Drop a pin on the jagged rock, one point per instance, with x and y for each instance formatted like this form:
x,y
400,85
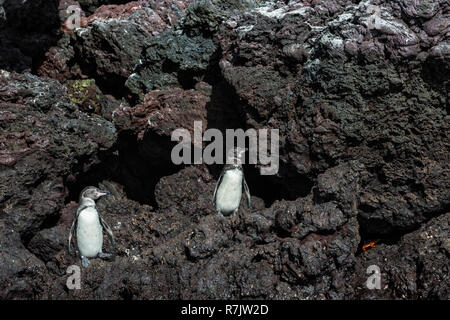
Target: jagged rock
x,y
109,42
207,238
192,192
60,62
39,151
206,16
163,111
320,96
21,273
171,59
48,242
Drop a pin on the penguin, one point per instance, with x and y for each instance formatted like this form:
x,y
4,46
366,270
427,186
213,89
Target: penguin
x,y
228,191
88,226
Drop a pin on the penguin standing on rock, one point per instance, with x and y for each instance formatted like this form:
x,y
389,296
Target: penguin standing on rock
x,y
228,191
89,226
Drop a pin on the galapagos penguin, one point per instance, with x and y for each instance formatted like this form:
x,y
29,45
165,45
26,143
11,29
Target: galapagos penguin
x,y
89,225
228,191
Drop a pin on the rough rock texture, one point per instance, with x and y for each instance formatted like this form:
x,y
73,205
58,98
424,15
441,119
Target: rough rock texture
x,y
358,91
169,60
350,91
163,111
205,16
417,267
48,242
109,42
59,62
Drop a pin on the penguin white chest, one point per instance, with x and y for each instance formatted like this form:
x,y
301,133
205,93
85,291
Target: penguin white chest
x,y
229,192
89,233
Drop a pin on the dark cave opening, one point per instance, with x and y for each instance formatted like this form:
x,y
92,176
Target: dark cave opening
x,y
376,231
286,185
113,85
29,30
226,111
136,166
435,73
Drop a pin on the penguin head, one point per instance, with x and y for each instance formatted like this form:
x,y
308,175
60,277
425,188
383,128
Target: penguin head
x,y
234,156
93,193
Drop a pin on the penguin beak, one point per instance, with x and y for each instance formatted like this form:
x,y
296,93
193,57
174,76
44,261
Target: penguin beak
x,y
243,150
101,193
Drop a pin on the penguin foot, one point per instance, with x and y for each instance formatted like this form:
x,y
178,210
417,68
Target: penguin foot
x,y
234,214
219,214
85,262
103,255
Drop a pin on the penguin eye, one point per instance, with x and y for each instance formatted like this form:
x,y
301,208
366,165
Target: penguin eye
x,y
89,194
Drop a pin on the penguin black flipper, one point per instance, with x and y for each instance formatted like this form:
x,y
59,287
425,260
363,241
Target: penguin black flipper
x,y
217,186
247,192
108,230
74,225
72,229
